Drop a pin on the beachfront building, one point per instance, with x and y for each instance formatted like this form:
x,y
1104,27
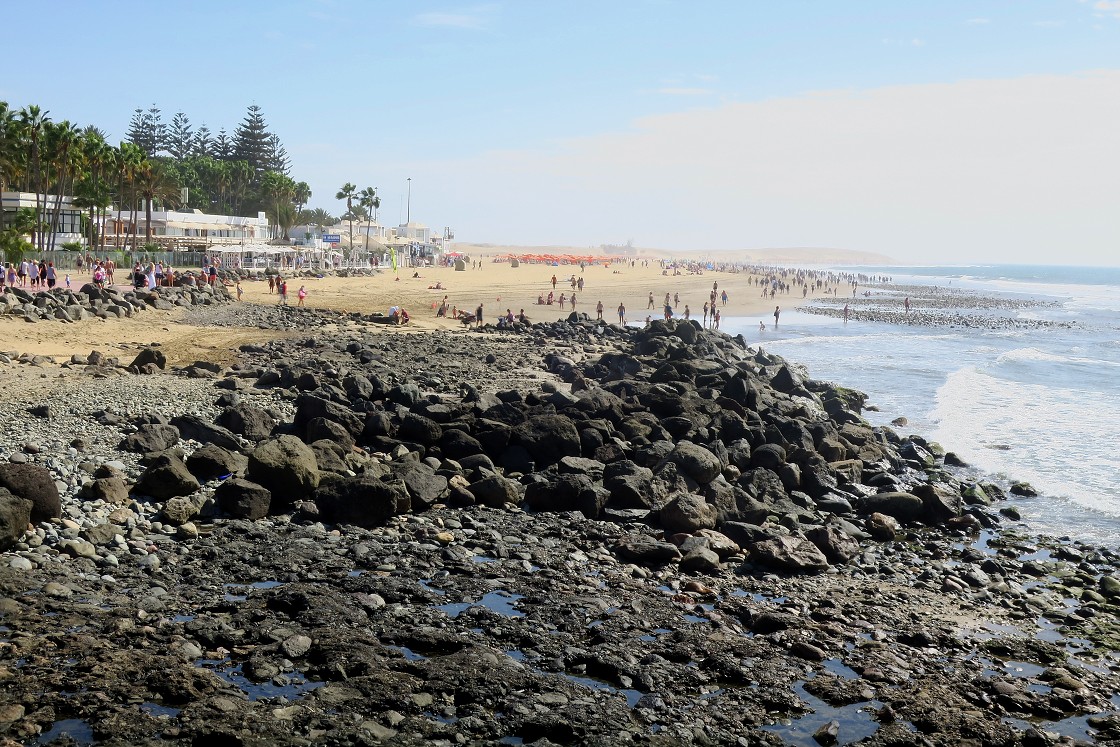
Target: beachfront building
x,y
70,218
184,231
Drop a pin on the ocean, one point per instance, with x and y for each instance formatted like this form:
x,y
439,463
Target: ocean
x,y
1041,405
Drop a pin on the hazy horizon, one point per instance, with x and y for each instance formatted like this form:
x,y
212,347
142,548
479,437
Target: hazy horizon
x,y
979,132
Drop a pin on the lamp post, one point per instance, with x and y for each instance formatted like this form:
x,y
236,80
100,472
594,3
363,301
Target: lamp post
x,y
408,209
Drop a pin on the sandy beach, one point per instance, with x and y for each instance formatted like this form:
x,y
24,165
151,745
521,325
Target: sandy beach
x,y
497,286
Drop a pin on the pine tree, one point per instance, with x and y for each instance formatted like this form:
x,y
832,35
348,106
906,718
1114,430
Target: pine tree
x,y
278,160
147,131
158,130
202,141
222,147
180,138
251,142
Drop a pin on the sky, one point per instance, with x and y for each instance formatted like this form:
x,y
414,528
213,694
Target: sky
x,y
931,132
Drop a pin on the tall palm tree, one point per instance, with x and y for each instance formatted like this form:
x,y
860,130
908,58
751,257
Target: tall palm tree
x,y
301,196
280,189
65,160
129,158
13,150
371,202
32,121
348,192
153,183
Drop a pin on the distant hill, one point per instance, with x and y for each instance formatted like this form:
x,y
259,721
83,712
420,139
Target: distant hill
x,y
796,255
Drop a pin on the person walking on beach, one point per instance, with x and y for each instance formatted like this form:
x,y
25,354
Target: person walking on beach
x,y
621,313
553,282
705,313
563,298
724,297
599,310
478,317
845,312
301,294
906,303
715,318
686,312
283,285
650,300
573,300
271,284
676,300
238,286
777,313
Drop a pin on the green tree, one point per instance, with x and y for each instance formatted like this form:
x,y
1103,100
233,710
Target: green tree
x,y
301,196
371,202
222,147
317,217
153,184
33,122
279,189
180,138
348,192
251,143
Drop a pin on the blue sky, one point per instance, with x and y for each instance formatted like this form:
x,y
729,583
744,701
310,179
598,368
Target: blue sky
x,y
946,131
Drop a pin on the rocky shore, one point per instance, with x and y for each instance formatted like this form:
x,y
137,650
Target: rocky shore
x,y
66,305
934,306
579,534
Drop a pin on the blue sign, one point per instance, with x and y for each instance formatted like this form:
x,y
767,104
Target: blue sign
x,y
332,238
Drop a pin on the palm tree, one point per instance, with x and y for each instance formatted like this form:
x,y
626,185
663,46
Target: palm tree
x,y
301,196
32,121
128,160
371,202
65,157
348,192
12,148
318,217
280,189
153,183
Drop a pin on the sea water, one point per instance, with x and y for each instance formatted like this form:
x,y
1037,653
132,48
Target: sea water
x,y
1040,405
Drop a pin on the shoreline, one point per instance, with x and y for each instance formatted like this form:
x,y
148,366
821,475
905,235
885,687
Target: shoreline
x,y
729,642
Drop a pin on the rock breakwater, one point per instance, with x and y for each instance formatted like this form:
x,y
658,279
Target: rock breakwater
x,y
581,534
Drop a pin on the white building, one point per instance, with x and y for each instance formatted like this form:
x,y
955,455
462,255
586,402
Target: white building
x,y
176,230
69,219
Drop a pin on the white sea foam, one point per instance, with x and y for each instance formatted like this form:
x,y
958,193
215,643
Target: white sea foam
x,y
1061,440
1024,355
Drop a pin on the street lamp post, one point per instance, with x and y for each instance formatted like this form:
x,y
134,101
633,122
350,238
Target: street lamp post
x,y
408,210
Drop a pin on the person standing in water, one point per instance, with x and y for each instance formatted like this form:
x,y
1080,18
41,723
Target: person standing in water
x,y
777,313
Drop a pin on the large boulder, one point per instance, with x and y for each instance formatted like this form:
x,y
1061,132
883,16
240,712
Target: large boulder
x,y
310,406
151,437
212,461
243,499
697,462
197,429
15,515
286,466
424,486
149,357
365,500
647,550
420,429
165,478
34,483
112,490
688,513
569,492
789,553
548,438
630,485
899,505
251,422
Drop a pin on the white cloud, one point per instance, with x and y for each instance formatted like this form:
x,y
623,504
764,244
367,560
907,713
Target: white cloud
x,y
987,170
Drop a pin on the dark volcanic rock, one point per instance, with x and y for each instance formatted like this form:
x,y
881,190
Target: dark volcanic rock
x,y
569,492
365,500
15,514
34,483
151,437
547,438
148,357
197,429
697,462
243,499
251,422
212,461
789,553
166,477
287,467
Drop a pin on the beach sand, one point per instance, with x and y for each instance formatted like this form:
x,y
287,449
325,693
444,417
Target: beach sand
x,y
497,286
